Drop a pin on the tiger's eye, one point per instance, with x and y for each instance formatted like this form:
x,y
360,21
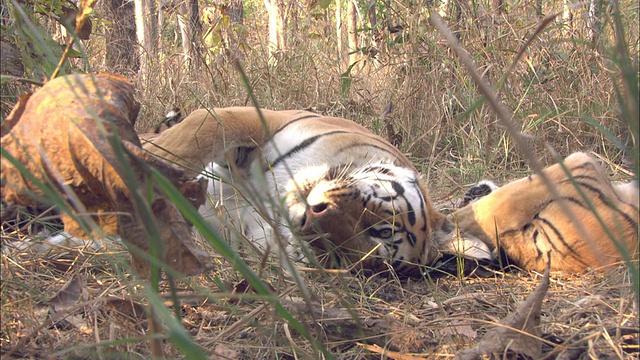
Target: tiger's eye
x,y
385,233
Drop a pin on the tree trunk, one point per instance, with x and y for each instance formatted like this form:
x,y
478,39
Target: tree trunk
x,y
375,32
146,32
567,15
120,54
190,29
339,31
277,37
595,23
235,36
352,35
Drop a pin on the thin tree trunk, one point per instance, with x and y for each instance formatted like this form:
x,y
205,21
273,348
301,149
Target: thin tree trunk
x,y
373,23
235,38
277,37
595,23
352,35
232,37
339,30
190,28
147,33
120,53
567,15
373,18
282,37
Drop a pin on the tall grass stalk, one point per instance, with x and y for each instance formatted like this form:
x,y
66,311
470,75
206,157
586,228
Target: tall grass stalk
x,y
506,119
553,80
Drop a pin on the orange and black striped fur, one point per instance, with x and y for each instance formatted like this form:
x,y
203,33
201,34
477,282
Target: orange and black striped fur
x,y
330,185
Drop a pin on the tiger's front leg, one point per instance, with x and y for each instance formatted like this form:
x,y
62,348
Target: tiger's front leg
x,y
524,221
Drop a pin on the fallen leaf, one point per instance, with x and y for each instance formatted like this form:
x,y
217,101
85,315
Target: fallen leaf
x,y
130,309
222,352
69,295
65,136
458,328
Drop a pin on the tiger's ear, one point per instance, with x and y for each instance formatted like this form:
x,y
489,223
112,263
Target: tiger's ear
x,y
628,192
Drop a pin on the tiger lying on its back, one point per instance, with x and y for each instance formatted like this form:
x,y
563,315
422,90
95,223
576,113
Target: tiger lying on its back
x,y
355,199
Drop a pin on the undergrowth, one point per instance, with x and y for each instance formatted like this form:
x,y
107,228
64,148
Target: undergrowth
x,y
564,93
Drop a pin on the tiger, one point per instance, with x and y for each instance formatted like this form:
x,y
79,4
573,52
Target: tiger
x,y
593,223
330,185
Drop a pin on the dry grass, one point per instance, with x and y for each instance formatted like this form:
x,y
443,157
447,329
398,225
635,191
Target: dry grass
x,y
452,137
594,314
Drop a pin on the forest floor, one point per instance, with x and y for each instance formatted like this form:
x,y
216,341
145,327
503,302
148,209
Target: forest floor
x,y
77,303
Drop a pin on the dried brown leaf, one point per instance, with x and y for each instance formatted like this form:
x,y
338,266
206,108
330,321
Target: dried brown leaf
x,y
64,137
128,308
69,295
458,328
222,352
12,119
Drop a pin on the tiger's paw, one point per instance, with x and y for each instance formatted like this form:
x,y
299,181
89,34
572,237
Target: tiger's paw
x,y
481,189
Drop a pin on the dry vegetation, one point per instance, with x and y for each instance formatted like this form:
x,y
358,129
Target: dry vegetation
x,y
353,317
454,139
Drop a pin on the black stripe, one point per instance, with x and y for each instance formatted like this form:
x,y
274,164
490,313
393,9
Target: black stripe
x,y
584,165
555,232
399,189
423,202
398,263
562,240
552,243
378,170
304,144
411,214
309,116
535,235
602,197
386,147
411,237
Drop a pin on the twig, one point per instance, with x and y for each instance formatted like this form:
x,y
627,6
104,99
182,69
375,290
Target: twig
x,y
506,119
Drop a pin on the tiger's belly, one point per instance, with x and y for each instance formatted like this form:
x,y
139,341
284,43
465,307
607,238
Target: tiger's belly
x,y
246,215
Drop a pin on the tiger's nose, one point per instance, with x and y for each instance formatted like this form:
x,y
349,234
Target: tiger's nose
x,y
313,213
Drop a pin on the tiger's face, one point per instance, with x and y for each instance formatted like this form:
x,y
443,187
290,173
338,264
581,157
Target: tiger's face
x,y
370,216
